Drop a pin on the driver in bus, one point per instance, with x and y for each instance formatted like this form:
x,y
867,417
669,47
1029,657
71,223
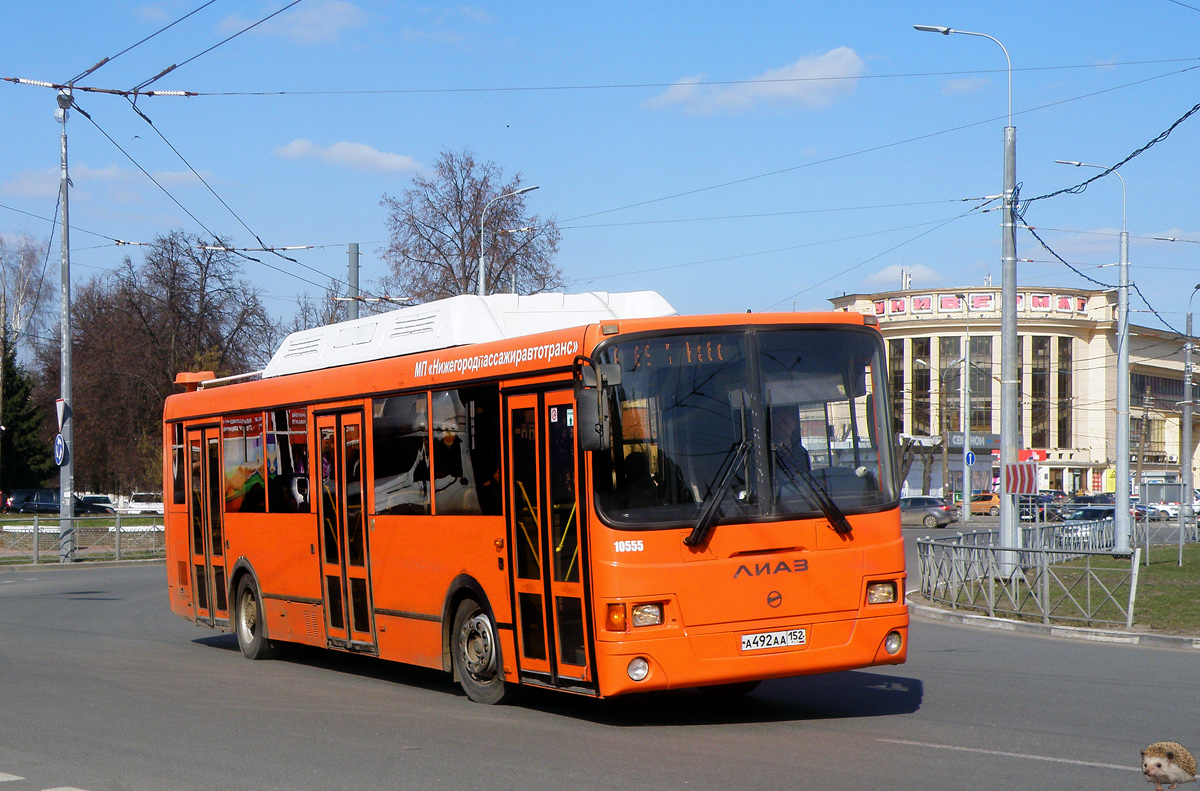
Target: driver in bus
x,y
787,451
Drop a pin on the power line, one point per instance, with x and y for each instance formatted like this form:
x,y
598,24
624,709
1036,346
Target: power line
x,y
873,149
689,83
174,66
86,72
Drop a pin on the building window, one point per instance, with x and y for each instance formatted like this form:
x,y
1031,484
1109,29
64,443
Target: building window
x,y
951,400
1039,393
1156,392
920,386
896,382
981,384
1065,393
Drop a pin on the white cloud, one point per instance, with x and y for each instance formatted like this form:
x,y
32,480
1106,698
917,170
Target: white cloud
x,y
307,23
888,278
44,182
814,82
356,156
965,85
33,183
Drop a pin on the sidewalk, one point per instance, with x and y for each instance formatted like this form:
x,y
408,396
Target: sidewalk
x,y
921,609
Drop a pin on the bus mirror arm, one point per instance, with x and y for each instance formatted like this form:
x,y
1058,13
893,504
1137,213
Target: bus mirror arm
x,y
593,396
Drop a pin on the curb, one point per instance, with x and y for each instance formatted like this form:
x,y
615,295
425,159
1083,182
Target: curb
x,y
1051,630
14,567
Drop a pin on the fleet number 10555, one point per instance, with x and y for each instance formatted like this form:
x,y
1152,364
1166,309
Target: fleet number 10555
x,y
629,546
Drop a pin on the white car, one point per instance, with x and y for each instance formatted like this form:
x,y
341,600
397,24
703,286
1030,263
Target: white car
x,y
144,503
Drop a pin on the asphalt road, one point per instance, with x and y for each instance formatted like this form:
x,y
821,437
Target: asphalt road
x,y
102,688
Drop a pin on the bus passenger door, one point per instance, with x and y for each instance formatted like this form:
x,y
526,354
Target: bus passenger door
x,y
545,536
205,495
345,569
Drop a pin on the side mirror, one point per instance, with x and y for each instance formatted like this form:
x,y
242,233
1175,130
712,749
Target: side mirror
x,y
593,398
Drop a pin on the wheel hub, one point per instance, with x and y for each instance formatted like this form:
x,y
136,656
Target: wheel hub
x,y
479,647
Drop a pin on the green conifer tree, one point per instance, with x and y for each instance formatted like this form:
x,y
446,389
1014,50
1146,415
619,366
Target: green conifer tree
x,y
25,456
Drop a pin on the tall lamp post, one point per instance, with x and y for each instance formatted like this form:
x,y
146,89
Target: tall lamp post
x,y
1009,535
966,421
1123,529
482,215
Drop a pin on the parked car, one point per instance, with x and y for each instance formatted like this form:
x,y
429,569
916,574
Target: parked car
x,y
988,503
46,501
98,499
1085,527
1038,508
1080,500
928,511
1057,495
144,503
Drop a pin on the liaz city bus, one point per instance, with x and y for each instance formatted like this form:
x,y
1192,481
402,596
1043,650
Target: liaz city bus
x,y
583,492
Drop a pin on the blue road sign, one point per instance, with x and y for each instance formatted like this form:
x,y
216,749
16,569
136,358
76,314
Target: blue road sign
x,y
970,458
60,450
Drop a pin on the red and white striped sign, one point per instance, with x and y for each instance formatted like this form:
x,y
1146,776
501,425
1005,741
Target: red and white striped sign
x,y
1021,478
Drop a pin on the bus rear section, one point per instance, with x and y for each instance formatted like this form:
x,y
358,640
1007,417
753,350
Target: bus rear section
x,y
746,524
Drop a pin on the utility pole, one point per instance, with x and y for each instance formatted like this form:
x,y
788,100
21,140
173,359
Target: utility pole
x,y
1142,439
1185,433
353,280
1124,530
968,487
3,359
66,473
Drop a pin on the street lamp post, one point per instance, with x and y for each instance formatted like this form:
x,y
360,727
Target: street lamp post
x,y
1123,529
482,215
966,406
1009,535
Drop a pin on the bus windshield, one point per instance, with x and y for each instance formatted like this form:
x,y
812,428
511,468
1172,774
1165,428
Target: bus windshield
x,y
756,424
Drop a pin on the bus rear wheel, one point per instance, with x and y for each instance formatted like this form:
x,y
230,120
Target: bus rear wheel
x,y
475,654
250,624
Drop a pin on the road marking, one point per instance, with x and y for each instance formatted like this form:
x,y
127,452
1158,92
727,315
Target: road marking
x,y
1012,755
9,778
64,788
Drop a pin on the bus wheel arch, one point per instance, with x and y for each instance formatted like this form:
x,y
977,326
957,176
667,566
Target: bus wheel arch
x,y
248,619
471,644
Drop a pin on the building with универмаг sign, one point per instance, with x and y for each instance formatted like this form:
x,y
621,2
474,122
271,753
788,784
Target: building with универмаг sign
x,y
1067,366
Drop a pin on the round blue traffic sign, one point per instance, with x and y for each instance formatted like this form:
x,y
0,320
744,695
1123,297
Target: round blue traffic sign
x,y
970,458
60,450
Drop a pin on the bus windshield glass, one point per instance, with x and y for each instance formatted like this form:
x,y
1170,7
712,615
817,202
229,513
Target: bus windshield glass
x,y
746,425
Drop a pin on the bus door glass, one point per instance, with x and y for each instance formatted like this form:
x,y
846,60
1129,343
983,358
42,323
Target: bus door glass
x,y
205,496
545,536
344,551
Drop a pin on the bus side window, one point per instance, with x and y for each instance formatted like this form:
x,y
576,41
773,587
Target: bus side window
x,y
287,461
400,430
466,451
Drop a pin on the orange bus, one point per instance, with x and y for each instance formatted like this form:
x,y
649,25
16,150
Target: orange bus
x,y
583,492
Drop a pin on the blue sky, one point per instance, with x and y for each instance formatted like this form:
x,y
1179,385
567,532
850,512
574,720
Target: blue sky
x,y
731,156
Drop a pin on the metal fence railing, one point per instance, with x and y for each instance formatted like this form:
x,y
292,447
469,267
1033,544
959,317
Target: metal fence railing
x,y
1064,572
38,538
1049,584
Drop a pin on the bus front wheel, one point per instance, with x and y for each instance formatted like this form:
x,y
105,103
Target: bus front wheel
x,y
249,622
475,653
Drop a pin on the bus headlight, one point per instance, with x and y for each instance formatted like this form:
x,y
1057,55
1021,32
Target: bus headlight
x,y
639,668
881,592
647,615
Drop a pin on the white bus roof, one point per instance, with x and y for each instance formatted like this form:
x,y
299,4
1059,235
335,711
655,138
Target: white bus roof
x,y
456,321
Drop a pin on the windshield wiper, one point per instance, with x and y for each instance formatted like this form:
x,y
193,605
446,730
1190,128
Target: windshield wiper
x,y
708,515
807,481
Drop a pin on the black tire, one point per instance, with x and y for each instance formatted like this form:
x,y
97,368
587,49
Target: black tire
x,y
994,510
249,622
475,655
732,691
930,521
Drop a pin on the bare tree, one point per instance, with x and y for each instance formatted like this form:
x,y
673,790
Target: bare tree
x,y
330,308
25,293
184,308
435,235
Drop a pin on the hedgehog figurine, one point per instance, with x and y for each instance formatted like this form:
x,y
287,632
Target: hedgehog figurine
x,y
1168,762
